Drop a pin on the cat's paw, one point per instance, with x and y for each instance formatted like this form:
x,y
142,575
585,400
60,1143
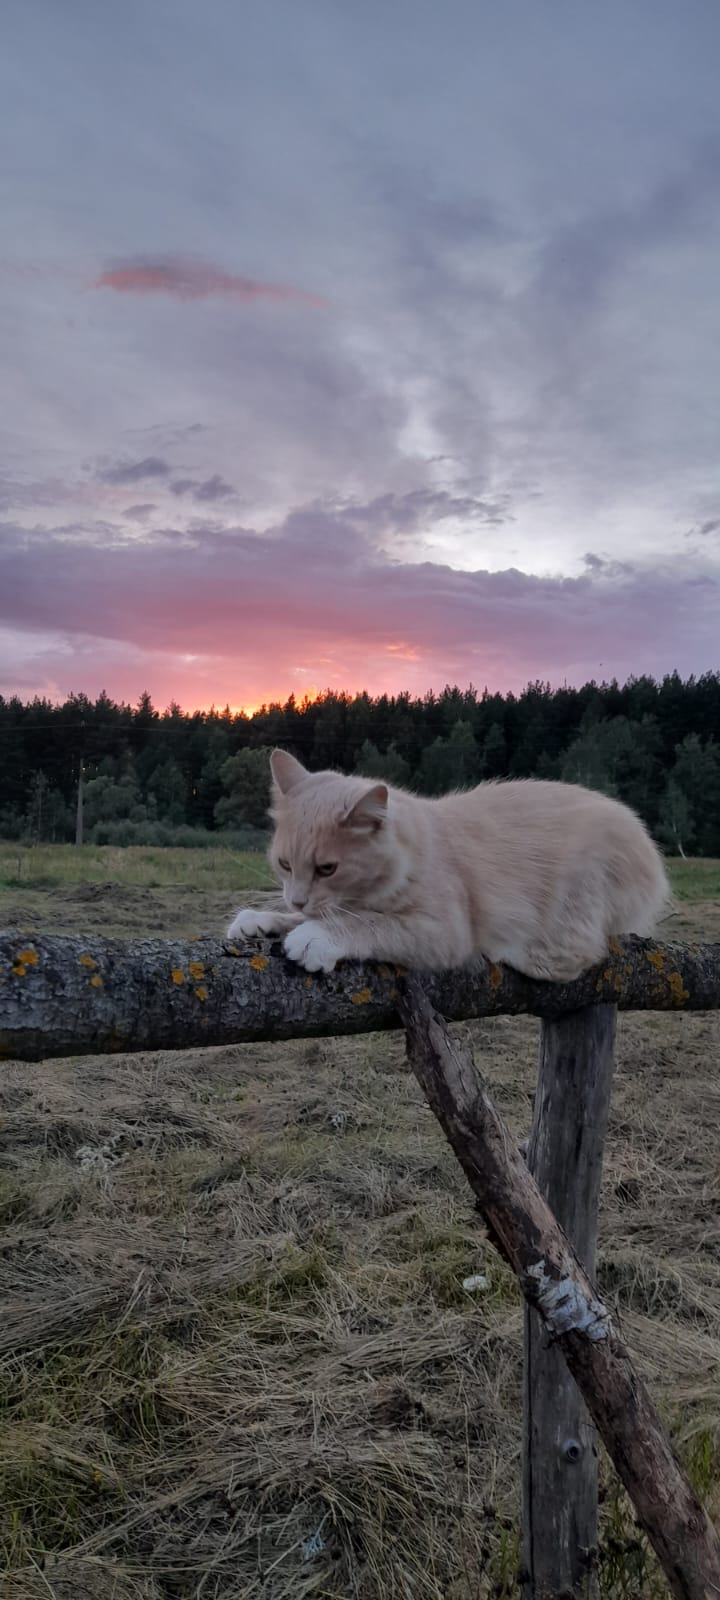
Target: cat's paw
x,y
312,947
249,923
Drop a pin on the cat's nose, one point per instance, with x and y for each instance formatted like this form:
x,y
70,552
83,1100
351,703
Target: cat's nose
x,y
299,905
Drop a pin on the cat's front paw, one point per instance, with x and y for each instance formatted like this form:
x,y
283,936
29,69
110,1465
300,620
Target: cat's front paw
x,y
249,923
312,947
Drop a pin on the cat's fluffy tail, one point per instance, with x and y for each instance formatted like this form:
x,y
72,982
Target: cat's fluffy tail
x,y
648,902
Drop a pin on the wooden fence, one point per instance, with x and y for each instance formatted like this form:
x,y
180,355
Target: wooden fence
x,y
62,996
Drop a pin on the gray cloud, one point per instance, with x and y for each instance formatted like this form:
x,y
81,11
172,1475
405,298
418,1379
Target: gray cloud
x,y
125,472
600,564
214,488
423,508
579,262
139,512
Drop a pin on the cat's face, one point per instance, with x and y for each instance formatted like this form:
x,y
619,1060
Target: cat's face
x,y
331,846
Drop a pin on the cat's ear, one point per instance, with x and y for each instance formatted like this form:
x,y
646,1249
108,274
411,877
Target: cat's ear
x,y
370,811
286,771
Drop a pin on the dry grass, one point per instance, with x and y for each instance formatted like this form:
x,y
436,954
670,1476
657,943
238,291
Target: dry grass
x,y
126,892
236,1356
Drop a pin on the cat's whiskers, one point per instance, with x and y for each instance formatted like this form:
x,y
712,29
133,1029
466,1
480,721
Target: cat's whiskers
x,y
343,911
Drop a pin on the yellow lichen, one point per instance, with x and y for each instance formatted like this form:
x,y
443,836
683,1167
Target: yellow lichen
x,y
233,950
201,992
308,982
656,959
615,947
27,958
177,975
384,971
19,969
196,970
87,961
495,976
401,972
96,982
259,963
677,989
608,974
362,997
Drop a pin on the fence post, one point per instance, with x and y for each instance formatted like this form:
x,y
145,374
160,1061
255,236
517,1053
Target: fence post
x,y
560,1462
525,1231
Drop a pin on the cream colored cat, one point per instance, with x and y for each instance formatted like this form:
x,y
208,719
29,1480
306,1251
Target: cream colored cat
x,y
535,874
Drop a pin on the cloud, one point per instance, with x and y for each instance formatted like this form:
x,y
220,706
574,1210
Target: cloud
x,y
423,508
214,488
249,607
73,492
139,512
580,261
134,471
536,322
609,568
185,279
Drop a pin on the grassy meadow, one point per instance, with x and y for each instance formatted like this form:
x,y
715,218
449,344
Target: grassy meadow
x,y
237,1361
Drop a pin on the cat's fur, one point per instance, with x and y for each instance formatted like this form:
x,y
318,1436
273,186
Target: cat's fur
x,y
539,875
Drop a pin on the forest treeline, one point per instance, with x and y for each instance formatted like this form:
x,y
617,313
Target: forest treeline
x,y
171,777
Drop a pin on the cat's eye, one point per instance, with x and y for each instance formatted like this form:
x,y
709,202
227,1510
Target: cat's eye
x,y
284,866
326,870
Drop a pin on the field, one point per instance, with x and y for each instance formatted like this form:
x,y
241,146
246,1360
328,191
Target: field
x,y
238,1360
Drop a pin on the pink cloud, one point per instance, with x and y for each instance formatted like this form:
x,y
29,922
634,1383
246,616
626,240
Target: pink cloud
x,y
227,614
195,280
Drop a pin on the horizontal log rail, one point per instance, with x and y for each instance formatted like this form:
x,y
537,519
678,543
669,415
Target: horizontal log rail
x,y
70,995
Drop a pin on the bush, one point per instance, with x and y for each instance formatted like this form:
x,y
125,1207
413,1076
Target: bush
x,y
125,832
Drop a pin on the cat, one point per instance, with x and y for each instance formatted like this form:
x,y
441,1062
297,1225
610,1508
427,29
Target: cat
x,y
532,873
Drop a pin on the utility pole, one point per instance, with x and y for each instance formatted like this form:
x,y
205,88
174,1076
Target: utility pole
x,y
79,811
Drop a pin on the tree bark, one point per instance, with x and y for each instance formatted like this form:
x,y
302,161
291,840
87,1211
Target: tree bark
x,y
553,1281
560,1459
89,996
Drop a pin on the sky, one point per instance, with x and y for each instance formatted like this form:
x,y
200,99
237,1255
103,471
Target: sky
x,y
357,346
